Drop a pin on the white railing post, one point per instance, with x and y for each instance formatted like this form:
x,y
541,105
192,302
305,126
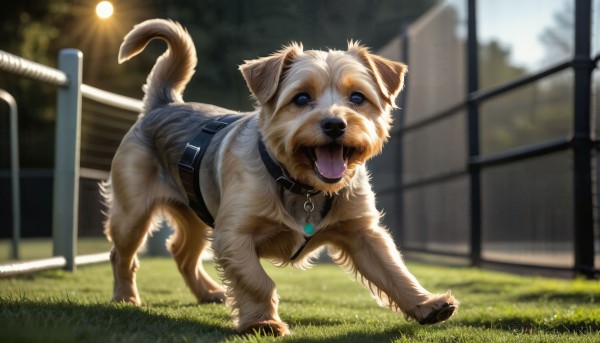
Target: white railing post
x,y
66,160
14,167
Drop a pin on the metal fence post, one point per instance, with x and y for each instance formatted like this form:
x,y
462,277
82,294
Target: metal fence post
x,y
399,228
582,143
473,135
66,162
14,167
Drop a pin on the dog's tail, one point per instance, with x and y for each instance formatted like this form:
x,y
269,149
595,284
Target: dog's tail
x,y
173,70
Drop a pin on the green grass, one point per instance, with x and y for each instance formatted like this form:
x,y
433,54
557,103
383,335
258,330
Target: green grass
x,y
321,305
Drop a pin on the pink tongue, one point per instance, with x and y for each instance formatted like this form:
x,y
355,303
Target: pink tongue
x,y
330,161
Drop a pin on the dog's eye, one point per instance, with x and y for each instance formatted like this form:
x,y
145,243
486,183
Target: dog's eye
x,y
357,98
301,99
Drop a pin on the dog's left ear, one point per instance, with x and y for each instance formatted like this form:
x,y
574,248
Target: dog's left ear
x,y
388,74
262,75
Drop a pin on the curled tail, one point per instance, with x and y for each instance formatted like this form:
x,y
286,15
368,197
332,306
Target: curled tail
x,y
173,70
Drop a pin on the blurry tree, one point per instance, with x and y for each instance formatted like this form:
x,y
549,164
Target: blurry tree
x,y
225,33
537,112
29,30
228,32
559,38
495,65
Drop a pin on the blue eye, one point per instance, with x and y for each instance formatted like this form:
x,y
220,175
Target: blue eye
x,y
301,99
357,98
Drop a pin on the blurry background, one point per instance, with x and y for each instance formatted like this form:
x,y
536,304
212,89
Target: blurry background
x,y
422,179
225,33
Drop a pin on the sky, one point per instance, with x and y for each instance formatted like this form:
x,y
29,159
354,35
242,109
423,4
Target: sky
x,y
518,25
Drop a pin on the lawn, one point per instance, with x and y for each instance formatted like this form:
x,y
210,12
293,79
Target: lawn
x,y
321,305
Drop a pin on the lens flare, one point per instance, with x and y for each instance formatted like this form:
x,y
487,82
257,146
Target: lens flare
x,y
104,9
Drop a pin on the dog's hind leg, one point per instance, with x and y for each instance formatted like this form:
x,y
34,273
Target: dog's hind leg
x,y
186,245
128,234
130,213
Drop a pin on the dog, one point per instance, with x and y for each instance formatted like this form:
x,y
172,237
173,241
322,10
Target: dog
x,y
280,183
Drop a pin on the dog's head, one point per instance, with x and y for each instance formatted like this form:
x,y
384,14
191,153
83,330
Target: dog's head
x,y
324,113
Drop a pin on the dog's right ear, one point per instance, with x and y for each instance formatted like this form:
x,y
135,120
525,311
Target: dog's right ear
x,y
262,75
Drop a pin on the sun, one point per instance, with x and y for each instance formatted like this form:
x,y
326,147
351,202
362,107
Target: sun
x,y
104,9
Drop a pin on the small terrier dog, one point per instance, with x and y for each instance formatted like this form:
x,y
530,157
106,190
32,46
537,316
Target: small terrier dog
x,y
281,182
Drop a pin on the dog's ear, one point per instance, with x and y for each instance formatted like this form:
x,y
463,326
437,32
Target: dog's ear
x,y
388,74
263,75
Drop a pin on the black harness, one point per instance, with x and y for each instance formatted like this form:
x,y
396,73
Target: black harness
x,y
189,165
189,173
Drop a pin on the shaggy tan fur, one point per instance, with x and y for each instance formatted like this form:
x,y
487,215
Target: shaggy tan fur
x,y
253,219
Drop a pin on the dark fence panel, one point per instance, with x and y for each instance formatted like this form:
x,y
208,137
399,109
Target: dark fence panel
x,y
495,159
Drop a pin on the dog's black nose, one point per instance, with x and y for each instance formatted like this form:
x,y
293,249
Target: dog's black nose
x,y
333,127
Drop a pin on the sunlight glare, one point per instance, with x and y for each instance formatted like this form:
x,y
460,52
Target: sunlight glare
x,y
104,9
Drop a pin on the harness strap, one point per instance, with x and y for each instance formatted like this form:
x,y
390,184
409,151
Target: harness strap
x,y
189,164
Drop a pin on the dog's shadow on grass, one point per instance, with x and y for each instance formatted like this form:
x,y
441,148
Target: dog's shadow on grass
x,y
26,320
64,321
545,294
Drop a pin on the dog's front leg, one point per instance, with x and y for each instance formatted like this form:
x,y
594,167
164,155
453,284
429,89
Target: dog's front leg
x,y
250,292
371,252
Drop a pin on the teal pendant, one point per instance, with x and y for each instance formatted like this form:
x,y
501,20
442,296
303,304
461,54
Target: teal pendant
x,y
309,229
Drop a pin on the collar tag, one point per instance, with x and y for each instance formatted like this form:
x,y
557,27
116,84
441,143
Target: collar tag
x,y
309,207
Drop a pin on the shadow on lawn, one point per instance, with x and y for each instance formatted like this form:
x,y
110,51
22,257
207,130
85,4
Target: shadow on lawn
x,y
30,321
519,325
23,320
512,290
358,337
570,297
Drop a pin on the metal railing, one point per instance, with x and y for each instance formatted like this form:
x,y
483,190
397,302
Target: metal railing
x,y
581,144
14,168
68,80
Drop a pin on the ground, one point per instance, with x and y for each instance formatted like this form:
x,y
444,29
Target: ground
x,y
321,305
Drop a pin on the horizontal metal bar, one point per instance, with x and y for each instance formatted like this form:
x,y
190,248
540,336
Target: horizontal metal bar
x,y
426,181
111,99
31,70
521,153
423,182
431,119
500,158
93,174
481,95
82,260
32,266
58,262
488,262
22,67
434,252
529,268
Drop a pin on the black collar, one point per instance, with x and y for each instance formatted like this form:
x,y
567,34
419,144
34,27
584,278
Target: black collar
x,y
280,175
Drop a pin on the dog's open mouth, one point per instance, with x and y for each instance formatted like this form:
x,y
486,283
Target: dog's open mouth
x,y
330,161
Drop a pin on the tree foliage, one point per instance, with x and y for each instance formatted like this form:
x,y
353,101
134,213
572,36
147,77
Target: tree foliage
x,y
225,33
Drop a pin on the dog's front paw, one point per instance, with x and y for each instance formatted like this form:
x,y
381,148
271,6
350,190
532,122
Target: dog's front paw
x,y
267,328
436,309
